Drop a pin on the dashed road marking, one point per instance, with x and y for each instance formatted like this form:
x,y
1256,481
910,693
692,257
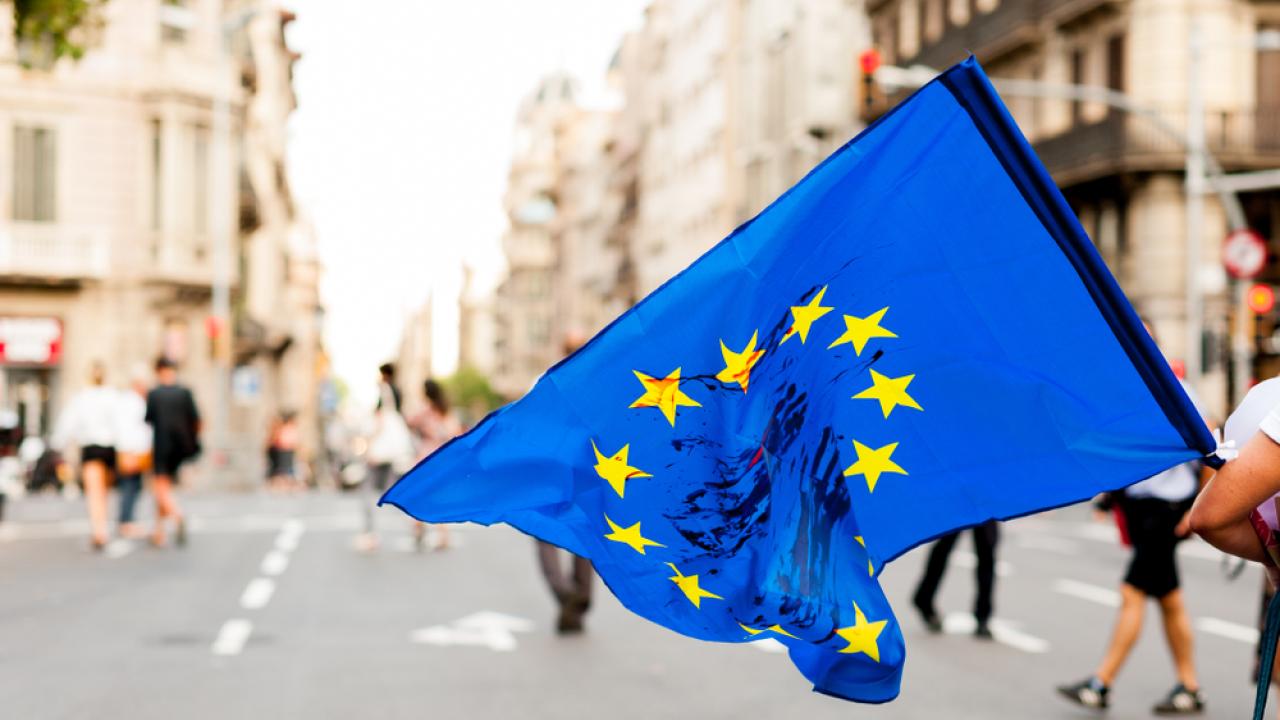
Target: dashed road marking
x,y
290,533
967,560
257,593
117,549
1085,591
1227,629
1047,543
232,637
1002,631
274,563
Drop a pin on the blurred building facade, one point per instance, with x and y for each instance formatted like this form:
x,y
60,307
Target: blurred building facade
x,y
740,100
413,359
1121,174
278,315
476,327
122,190
525,302
718,106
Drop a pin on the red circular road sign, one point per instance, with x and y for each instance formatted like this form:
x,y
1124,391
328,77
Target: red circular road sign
x,y
1244,253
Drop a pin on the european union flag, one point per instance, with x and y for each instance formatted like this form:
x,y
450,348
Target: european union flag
x,y
915,338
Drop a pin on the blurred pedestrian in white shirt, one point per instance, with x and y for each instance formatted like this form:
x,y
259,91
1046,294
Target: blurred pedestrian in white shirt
x,y
91,422
133,450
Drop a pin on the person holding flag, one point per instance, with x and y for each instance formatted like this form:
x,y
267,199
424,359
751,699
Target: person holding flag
x,y
872,362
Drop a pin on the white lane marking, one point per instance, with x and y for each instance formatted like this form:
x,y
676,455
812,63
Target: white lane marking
x,y
1099,532
1002,631
1227,629
257,593
493,630
274,563
1085,591
1047,543
290,533
768,645
1200,550
1193,547
117,549
967,560
232,637
46,530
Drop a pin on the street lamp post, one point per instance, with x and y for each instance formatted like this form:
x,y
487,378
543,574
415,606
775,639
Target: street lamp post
x,y
1194,208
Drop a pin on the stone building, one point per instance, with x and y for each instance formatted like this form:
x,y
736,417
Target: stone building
x,y
525,301
1123,175
740,100
121,192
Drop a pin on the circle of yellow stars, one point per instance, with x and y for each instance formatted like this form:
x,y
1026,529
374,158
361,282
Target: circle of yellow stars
x,y
665,394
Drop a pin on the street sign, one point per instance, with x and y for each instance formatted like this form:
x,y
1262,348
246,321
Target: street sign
x,y
1244,253
30,340
493,630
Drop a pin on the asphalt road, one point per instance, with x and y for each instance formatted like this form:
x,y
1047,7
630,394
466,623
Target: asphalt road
x,y
271,612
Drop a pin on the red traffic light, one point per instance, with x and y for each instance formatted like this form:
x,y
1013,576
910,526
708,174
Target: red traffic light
x,y
869,61
1261,299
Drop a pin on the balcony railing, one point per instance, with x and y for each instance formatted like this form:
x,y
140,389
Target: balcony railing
x,y
1127,143
1012,24
53,252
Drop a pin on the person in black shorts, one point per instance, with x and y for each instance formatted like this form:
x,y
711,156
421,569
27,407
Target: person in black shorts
x,y
172,414
1154,514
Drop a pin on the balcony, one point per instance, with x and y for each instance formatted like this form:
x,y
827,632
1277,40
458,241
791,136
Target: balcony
x,y
52,253
1012,25
1124,143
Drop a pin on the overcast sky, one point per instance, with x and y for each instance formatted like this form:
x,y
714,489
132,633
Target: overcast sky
x,y
400,145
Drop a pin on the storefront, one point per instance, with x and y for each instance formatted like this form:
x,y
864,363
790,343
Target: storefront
x,y
30,354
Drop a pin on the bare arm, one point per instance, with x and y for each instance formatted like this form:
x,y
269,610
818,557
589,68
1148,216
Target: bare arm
x,y
1239,487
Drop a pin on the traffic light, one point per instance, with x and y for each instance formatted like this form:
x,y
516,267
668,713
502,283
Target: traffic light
x,y
868,63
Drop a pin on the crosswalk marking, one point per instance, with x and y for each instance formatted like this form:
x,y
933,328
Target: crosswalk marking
x,y
1227,629
1085,591
1002,631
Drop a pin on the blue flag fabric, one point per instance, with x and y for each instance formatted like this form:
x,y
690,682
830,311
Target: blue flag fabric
x,y
915,338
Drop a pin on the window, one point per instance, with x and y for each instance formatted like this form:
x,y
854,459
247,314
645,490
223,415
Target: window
x,y
200,180
1077,78
176,19
1115,63
157,177
34,174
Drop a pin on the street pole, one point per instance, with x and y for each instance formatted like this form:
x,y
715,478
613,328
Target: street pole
x,y
1195,183
221,288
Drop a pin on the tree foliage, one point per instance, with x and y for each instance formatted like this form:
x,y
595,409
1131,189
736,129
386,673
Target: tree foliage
x,y
53,26
471,393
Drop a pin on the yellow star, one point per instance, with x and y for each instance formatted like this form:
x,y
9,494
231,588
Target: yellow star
x,y
871,569
664,394
862,636
891,392
688,584
872,462
630,536
804,315
615,469
737,365
859,331
772,628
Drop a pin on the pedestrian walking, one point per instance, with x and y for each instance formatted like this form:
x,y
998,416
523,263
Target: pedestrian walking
x,y
175,422
1155,516
985,538
90,422
390,449
282,452
434,426
571,586
133,452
